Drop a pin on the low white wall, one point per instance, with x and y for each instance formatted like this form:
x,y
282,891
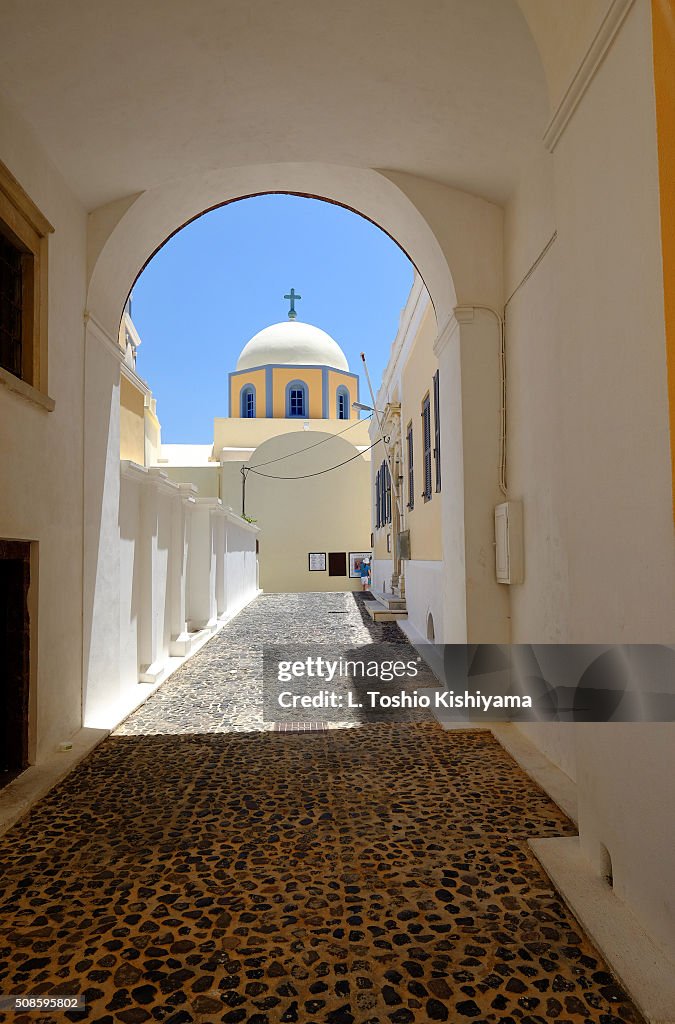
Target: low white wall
x,y
380,575
424,596
185,564
557,741
242,565
625,805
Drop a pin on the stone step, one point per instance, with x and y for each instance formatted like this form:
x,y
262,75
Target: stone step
x,y
384,614
386,607
394,602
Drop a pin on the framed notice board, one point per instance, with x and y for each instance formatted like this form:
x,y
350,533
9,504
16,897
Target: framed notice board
x,y
317,561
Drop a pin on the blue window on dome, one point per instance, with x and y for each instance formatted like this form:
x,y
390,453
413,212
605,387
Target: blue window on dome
x,y
247,399
342,403
296,398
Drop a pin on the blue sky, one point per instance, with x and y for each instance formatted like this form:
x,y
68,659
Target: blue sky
x,y
222,279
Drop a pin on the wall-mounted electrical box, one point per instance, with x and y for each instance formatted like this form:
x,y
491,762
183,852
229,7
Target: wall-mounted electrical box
x,y
509,560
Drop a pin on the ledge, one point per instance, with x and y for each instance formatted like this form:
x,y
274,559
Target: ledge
x,y
643,969
18,797
27,391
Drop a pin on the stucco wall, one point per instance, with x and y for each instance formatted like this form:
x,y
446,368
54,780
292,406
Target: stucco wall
x,y
336,380
324,513
239,381
41,452
590,449
283,375
244,433
424,519
132,422
424,596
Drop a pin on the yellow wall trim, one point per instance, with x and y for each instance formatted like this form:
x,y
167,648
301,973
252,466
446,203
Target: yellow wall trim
x,y
663,32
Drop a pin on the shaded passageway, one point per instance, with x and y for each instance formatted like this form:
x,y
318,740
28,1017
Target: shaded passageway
x,y
194,869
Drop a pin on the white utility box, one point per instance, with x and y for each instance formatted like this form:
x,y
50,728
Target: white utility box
x,y
509,561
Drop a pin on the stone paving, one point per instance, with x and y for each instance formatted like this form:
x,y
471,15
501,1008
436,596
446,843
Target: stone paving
x,y
210,872
220,688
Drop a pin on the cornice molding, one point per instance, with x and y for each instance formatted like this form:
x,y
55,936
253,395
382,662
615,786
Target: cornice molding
x,y
96,330
585,73
409,324
149,475
445,335
464,314
134,379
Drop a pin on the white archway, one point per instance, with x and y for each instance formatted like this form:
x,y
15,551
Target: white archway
x,y
124,235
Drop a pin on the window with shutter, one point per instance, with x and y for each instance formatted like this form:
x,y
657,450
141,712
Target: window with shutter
x,y
387,494
23,287
411,473
426,447
437,432
378,517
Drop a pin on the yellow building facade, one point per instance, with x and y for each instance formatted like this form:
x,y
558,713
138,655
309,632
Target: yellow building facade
x,y
140,429
406,480
293,457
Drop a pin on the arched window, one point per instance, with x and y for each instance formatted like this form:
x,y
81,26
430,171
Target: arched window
x,y
342,403
297,400
247,400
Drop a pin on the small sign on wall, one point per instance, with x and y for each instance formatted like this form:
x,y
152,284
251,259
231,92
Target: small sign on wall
x,y
317,561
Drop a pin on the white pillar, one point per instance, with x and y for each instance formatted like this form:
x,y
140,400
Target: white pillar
x,y
202,603
148,639
220,548
476,606
101,609
180,548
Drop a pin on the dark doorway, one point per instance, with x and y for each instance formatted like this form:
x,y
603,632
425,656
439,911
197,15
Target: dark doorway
x,y
14,644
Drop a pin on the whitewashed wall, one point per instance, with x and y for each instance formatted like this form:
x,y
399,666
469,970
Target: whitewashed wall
x,y
424,587
186,565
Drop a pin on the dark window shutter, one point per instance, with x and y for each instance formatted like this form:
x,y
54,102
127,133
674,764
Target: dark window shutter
x,y
388,495
411,472
426,442
437,432
378,521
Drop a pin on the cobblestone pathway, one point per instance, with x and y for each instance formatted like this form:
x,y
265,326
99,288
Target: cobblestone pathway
x,y
378,875
220,688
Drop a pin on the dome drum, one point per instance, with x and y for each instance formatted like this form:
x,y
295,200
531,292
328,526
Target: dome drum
x,y
293,370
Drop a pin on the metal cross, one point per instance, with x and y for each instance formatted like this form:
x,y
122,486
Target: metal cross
x,y
292,296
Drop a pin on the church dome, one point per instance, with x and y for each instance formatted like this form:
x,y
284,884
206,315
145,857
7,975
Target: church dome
x,y
294,343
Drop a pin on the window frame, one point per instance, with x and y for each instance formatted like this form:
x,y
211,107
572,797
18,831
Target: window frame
x,y
342,392
248,391
28,230
297,385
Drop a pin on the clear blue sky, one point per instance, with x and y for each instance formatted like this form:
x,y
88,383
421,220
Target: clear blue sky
x,y
222,279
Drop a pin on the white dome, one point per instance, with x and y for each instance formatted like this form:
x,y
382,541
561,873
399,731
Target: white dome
x,y
292,342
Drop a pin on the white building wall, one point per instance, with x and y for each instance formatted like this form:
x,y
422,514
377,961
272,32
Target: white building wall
x,y
589,449
181,561
380,575
41,454
424,590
